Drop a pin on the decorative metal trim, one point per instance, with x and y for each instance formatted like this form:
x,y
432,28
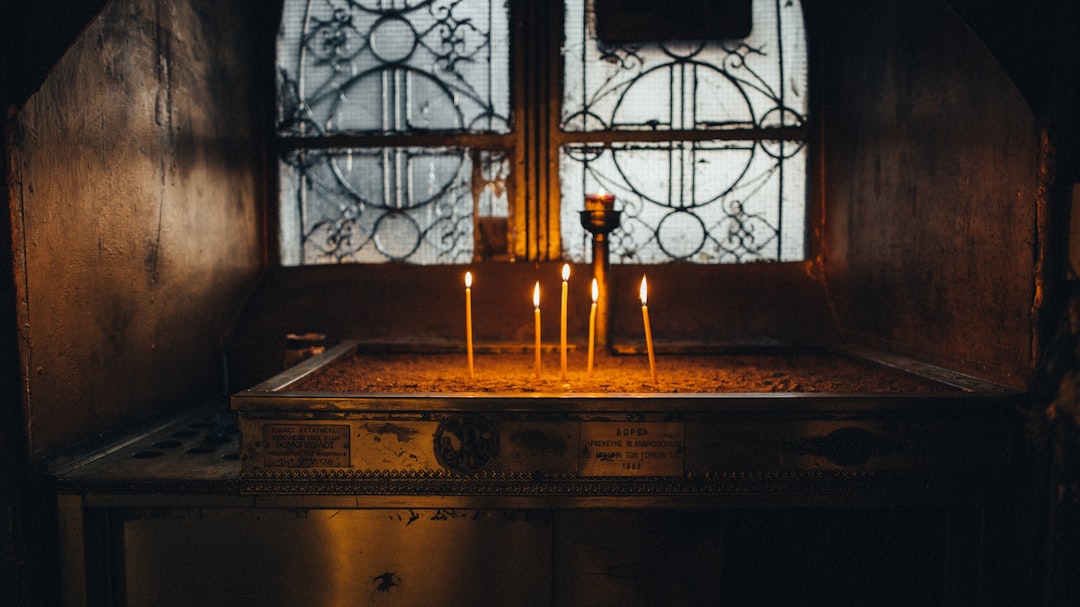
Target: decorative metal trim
x,y
160,486
433,483
538,484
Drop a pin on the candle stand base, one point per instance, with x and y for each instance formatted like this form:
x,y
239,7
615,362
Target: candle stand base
x,y
600,222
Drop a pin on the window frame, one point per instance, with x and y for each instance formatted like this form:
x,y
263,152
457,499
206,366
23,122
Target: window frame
x,y
535,138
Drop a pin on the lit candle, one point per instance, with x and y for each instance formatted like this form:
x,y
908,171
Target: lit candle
x,y
468,321
592,323
562,320
599,201
536,311
648,330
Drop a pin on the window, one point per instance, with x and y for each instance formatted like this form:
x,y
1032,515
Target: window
x,y
390,113
419,131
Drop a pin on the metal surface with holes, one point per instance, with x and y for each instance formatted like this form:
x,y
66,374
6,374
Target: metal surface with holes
x,y
196,453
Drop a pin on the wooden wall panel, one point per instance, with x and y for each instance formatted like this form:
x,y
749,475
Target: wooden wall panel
x,y
930,190
136,187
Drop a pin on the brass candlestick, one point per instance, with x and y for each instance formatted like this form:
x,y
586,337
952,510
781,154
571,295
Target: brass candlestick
x,y
600,218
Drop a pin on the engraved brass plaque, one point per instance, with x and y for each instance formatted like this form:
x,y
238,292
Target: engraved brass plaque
x,y
306,445
632,449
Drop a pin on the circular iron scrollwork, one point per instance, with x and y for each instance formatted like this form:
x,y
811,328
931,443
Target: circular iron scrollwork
x,y
847,446
850,446
466,442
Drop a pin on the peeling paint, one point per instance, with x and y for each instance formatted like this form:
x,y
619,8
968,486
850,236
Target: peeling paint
x,y
386,581
403,434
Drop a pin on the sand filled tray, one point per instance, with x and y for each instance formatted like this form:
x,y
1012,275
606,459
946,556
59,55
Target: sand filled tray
x,y
354,420
514,372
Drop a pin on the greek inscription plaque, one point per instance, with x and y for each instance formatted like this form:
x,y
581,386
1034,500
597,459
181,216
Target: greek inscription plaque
x,y
305,446
632,449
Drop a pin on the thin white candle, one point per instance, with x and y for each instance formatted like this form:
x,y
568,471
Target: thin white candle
x,y
592,323
536,310
468,322
648,329
562,320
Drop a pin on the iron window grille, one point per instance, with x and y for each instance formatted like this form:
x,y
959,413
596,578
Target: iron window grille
x,y
443,131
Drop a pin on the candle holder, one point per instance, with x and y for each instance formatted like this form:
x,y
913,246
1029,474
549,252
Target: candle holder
x,y
600,218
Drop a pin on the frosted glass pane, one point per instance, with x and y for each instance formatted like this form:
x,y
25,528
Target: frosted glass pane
x,y
704,202
755,82
415,205
393,66
738,195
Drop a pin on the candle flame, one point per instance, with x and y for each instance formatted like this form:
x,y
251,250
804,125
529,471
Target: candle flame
x,y
601,192
566,272
644,291
536,295
595,291
468,280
